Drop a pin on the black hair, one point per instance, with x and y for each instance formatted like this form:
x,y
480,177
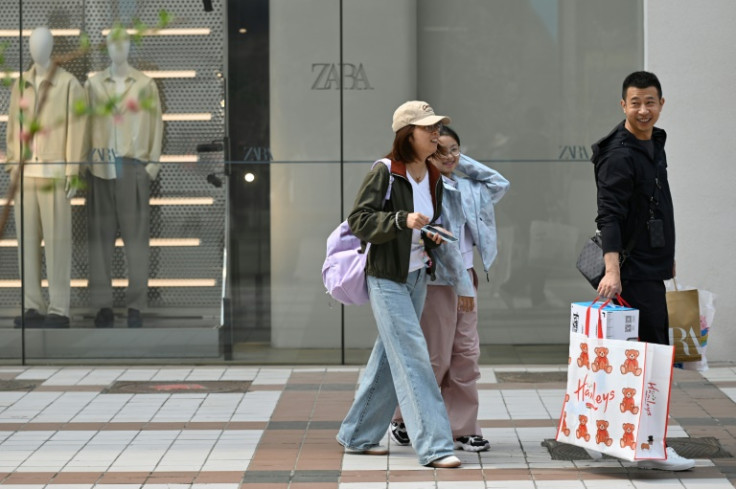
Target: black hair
x,y
641,79
447,131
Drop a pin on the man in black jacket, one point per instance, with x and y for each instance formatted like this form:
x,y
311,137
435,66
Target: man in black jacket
x,y
636,218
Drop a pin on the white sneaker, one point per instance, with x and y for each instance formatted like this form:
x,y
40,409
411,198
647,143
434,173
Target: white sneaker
x,y
448,462
374,450
398,433
674,462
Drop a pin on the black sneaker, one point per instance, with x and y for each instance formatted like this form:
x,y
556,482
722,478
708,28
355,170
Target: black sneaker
x,y
34,319
399,434
472,443
105,318
56,321
134,318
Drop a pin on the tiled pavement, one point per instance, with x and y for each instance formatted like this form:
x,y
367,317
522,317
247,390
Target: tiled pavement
x,y
68,432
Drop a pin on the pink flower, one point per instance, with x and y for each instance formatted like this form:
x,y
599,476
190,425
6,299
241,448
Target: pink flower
x,y
132,105
25,136
24,103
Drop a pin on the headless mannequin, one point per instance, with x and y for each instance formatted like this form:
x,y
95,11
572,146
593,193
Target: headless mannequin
x,y
118,50
41,43
48,175
125,147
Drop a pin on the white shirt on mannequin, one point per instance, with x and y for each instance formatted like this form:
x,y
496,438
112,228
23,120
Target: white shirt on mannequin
x,y
136,135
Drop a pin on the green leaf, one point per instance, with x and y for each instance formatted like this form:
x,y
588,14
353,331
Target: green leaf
x,y
80,107
164,19
35,126
110,106
77,183
147,102
118,33
140,31
84,42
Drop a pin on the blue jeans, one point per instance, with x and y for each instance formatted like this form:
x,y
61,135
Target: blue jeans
x,y
399,370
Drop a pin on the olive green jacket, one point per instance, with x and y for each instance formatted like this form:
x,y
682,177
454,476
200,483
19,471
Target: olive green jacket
x,y
382,222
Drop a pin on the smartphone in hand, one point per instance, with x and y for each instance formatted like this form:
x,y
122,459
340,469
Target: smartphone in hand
x,y
443,234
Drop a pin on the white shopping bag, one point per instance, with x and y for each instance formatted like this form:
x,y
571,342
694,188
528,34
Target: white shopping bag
x,y
617,396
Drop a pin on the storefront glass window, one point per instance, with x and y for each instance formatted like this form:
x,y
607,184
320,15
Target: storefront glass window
x,y
208,185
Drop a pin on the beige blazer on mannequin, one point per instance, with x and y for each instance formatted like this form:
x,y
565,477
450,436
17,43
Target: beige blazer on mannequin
x,y
136,135
64,136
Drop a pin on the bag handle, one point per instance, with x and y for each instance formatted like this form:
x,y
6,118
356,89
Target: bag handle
x,y
599,327
622,301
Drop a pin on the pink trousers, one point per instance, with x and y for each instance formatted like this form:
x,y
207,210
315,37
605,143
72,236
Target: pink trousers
x,y
454,350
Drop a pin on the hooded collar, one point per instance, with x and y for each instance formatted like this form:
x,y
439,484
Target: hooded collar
x,y
620,136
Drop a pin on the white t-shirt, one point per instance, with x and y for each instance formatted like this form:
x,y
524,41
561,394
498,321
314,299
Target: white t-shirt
x,y
422,204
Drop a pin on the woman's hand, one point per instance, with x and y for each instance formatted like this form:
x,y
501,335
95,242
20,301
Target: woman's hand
x,y
465,304
416,220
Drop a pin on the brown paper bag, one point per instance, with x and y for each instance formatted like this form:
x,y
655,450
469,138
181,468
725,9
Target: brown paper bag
x,y
683,308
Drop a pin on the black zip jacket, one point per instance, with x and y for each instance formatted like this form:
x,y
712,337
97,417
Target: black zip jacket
x,y
384,225
627,178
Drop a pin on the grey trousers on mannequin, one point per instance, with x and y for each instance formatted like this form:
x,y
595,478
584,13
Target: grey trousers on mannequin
x,y
119,203
47,215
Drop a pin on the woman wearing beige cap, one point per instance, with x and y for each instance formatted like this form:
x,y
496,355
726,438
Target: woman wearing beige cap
x,y
450,329
398,264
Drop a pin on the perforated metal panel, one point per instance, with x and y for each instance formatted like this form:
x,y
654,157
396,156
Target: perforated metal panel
x,y
201,94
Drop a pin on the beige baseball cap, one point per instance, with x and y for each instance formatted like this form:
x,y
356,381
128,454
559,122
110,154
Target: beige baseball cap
x,y
417,113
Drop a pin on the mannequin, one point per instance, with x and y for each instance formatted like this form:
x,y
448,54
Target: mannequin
x,y
55,155
126,147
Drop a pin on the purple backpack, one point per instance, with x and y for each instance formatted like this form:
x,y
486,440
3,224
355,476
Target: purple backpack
x,y
343,271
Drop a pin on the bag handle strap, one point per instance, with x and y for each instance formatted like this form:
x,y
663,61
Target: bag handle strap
x,y
386,162
652,204
599,326
622,301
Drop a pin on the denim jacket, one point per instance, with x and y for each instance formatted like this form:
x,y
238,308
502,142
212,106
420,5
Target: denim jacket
x,y
470,204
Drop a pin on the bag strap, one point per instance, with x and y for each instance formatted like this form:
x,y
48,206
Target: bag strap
x,y
599,326
653,202
386,198
622,301
386,162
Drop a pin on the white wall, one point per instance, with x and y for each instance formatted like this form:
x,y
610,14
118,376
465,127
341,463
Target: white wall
x,y
690,47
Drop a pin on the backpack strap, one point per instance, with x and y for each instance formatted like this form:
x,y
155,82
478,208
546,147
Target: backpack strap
x,y
386,162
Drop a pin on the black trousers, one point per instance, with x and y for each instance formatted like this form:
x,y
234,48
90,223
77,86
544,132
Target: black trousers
x,y
649,296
